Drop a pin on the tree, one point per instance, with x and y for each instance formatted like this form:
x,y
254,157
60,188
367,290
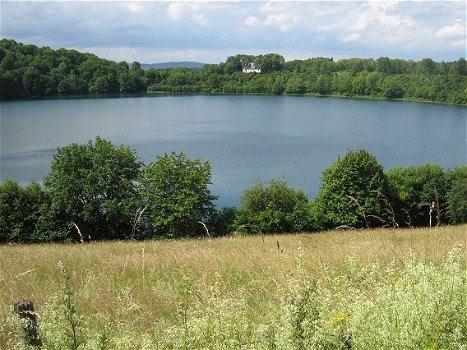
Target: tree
x,y
359,84
324,84
232,64
221,221
130,82
175,189
92,188
374,82
20,208
344,82
459,67
34,82
415,189
351,191
273,208
271,62
457,196
392,87
72,84
295,85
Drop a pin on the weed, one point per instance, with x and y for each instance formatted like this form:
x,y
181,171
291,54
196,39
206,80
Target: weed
x,y
384,289
74,322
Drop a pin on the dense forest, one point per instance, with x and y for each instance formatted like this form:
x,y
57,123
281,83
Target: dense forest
x,y
30,71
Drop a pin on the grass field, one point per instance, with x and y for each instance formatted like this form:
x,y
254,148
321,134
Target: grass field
x,y
370,289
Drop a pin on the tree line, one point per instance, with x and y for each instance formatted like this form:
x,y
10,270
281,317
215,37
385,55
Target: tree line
x,y
28,70
97,191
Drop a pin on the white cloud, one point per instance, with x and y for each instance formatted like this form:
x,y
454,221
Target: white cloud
x,y
361,23
284,21
454,31
186,9
201,19
281,14
134,7
351,38
175,10
251,21
406,29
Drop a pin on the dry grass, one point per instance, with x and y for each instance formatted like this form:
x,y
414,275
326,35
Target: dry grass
x,y
143,282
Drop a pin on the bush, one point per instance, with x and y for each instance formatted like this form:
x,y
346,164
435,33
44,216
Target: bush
x,y
457,196
414,190
273,208
221,221
351,192
175,189
92,186
20,209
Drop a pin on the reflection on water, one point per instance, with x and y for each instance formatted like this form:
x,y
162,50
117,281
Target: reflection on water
x,y
245,138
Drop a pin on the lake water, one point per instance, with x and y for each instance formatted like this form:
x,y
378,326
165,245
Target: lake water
x,y
245,138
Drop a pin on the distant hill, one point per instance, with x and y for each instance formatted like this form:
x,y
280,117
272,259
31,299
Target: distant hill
x,y
171,65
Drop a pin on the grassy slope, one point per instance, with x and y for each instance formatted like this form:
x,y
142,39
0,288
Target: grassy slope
x,y
144,283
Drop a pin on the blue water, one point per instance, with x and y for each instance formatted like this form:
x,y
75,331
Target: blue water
x,y
246,139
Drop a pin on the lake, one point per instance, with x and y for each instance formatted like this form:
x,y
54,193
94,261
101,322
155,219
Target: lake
x,y
246,138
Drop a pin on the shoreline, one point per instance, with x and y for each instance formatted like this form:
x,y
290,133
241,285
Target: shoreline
x,y
152,93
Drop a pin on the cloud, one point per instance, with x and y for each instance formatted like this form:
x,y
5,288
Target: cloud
x,y
284,21
351,38
134,7
282,15
201,19
175,10
251,21
405,29
453,31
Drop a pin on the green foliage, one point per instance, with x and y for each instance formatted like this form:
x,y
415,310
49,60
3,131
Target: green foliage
x,y
73,326
273,208
97,191
351,191
418,307
457,196
220,222
92,186
176,191
271,62
20,209
414,189
26,70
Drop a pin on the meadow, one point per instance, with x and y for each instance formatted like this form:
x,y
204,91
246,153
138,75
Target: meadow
x,y
356,289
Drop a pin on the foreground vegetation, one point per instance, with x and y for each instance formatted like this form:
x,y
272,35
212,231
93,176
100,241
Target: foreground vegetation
x,y
96,191
384,288
28,70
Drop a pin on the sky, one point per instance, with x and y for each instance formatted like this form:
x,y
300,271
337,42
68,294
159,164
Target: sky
x,y
210,31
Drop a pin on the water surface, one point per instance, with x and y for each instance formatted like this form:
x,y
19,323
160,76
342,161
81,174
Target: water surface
x,y
245,138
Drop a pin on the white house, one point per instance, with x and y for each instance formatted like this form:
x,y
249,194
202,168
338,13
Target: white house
x,y
251,69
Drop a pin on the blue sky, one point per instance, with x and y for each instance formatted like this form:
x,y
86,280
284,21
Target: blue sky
x,y
210,31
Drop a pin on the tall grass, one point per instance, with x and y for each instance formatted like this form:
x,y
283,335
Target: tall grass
x,y
381,289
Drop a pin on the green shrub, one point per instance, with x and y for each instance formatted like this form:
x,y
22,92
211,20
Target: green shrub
x,y
175,189
20,209
457,196
351,192
92,186
414,189
273,208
